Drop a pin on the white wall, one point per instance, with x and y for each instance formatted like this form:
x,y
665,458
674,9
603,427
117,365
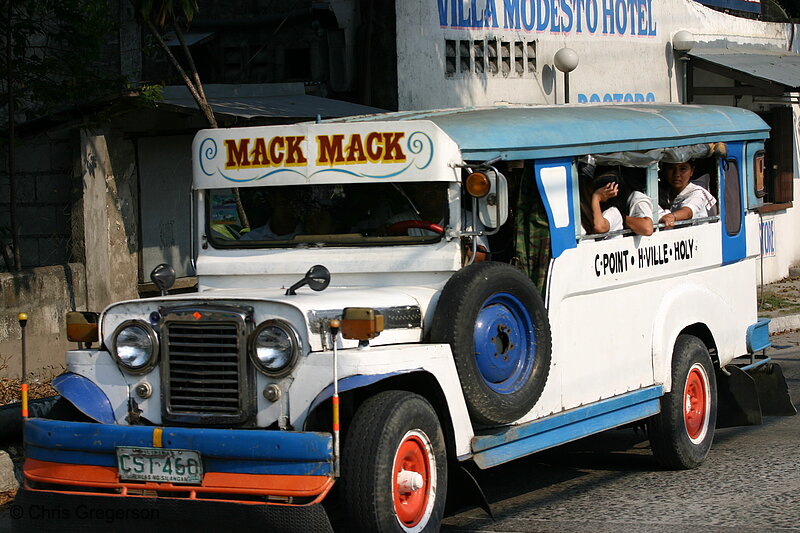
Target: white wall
x,y
632,61
631,58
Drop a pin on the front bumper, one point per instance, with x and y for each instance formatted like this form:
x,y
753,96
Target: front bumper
x,y
248,466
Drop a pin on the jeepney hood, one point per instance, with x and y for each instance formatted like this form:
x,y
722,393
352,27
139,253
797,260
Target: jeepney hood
x,y
405,310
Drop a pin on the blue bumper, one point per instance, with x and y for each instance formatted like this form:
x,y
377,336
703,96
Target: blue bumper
x,y
255,451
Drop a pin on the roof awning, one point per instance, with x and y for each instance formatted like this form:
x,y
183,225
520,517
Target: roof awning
x,y
759,71
274,100
190,38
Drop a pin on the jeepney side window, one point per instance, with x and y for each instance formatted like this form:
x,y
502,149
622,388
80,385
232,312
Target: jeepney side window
x,y
700,193
634,199
733,197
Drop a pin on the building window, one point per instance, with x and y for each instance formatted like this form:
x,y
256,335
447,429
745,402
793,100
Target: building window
x,y
450,58
489,58
505,58
478,47
464,56
531,57
519,58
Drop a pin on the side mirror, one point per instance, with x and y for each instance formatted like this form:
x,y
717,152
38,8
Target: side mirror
x,y
317,278
164,277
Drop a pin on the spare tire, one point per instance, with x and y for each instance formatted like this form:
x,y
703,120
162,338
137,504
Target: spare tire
x,y
492,316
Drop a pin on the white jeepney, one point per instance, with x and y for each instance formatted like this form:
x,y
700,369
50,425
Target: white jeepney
x,y
382,297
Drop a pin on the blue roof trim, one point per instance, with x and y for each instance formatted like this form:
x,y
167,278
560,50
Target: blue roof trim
x,y
256,451
532,132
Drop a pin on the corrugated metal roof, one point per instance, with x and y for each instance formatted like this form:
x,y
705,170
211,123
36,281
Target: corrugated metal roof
x,y
553,131
282,100
776,66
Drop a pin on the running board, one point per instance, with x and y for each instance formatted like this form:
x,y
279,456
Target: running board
x,y
513,442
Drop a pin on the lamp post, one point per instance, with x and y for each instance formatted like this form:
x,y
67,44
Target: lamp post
x,y
682,42
566,60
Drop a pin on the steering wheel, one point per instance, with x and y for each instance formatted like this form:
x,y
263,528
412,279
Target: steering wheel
x,y
400,227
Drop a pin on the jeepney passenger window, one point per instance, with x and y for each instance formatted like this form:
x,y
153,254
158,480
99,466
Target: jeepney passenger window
x,y
733,197
628,211
688,191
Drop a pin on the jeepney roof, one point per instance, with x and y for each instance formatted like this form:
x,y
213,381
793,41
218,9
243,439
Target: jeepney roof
x,y
428,145
528,132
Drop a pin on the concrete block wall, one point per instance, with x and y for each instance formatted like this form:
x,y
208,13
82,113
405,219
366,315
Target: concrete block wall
x,y
46,294
45,184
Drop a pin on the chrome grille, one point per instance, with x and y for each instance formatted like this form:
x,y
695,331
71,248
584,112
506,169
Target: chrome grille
x,y
203,368
205,376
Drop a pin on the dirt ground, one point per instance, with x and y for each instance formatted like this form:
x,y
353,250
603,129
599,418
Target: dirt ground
x,y
11,392
780,298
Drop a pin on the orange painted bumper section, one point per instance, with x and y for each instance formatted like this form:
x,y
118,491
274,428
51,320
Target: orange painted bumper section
x,y
86,479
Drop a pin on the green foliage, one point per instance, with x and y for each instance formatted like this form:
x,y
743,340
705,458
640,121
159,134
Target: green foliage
x,y
166,12
151,94
56,53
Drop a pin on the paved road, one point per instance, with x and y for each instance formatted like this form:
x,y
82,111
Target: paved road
x,y
610,483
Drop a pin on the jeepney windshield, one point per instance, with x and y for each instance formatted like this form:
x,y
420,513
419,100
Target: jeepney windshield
x,y
341,214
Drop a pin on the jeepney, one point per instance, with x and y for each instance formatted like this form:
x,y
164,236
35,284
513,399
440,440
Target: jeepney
x,y
348,329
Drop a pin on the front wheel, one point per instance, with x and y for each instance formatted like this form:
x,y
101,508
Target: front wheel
x,y
681,434
394,465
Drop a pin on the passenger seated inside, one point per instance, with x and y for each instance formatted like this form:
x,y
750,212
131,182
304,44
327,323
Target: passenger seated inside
x,y
685,200
597,215
636,208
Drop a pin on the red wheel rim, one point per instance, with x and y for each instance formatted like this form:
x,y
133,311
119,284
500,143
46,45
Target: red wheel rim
x,y
412,456
695,402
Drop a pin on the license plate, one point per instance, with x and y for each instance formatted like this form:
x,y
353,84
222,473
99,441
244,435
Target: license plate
x,y
159,464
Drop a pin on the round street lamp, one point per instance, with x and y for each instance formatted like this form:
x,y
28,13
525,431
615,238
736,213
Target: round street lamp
x,y
566,60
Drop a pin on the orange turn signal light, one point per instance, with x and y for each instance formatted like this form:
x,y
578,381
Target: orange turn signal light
x,y
478,184
362,323
82,326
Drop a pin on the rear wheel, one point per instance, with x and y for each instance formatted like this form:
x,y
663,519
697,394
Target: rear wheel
x,y
681,433
394,465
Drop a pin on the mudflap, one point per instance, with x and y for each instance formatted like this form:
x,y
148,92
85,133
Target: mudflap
x,y
748,392
464,491
773,391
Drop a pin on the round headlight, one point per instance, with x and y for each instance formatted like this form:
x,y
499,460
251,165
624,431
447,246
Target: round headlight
x,y
135,346
274,346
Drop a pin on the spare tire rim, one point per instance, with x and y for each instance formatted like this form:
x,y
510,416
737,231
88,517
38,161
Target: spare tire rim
x,y
414,481
505,343
696,402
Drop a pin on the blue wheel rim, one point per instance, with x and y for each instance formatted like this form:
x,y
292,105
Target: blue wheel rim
x,y
504,339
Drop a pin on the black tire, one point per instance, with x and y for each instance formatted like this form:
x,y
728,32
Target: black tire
x,y
681,439
389,428
503,361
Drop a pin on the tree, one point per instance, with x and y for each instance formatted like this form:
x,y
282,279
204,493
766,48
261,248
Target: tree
x,y
161,15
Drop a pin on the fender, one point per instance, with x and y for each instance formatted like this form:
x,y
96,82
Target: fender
x,y
674,315
385,362
356,381
86,396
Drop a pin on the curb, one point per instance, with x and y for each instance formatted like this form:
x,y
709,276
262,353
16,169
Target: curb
x,y
779,324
